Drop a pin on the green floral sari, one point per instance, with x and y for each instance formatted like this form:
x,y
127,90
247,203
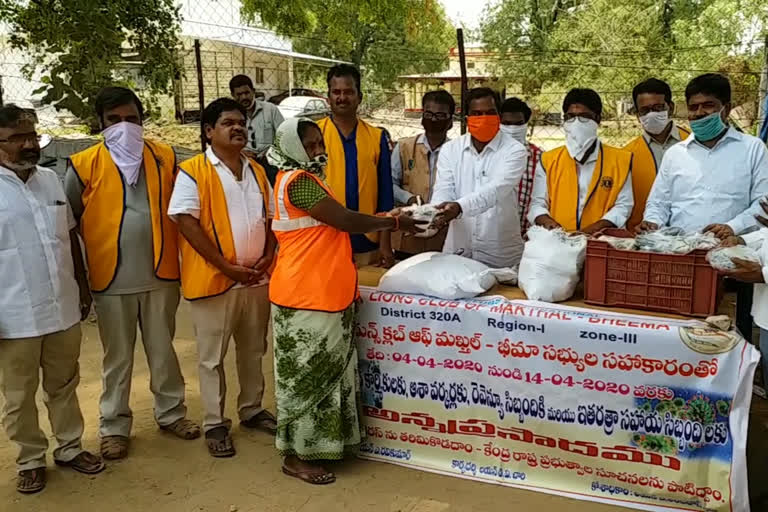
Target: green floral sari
x,y
316,383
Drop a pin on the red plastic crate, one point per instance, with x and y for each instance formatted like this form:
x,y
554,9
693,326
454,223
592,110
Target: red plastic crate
x,y
683,284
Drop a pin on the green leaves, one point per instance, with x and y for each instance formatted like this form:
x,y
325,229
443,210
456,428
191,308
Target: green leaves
x,y
386,38
78,45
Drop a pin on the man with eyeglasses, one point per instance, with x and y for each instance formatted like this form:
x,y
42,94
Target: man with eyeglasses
x,y
585,185
414,167
654,106
43,296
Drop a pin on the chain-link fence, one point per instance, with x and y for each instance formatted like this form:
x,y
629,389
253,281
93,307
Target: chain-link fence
x,y
215,45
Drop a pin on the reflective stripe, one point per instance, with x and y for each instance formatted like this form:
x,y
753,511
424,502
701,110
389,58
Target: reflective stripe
x,y
296,224
283,212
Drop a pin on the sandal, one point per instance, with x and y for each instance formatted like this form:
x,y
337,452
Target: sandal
x,y
31,481
312,477
114,447
86,463
183,429
264,421
219,443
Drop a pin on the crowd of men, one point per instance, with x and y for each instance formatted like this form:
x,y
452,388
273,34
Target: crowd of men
x,y
153,227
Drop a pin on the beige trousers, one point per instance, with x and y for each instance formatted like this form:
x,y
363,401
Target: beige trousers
x,y
21,360
364,259
242,314
118,315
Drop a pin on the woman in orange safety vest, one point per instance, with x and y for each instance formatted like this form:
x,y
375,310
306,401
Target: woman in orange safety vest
x,y
313,291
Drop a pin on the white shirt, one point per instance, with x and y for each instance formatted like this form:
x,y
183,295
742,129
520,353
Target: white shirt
x,y
697,186
402,195
618,215
245,206
38,291
758,240
485,186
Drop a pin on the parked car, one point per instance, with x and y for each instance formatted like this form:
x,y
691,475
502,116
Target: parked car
x,y
278,98
305,106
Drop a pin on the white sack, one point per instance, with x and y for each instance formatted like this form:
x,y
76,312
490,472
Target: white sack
x,y
551,265
721,258
445,276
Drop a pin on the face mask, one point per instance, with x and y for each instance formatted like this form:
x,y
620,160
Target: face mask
x,y
125,142
434,126
517,131
580,134
317,164
655,122
708,127
483,128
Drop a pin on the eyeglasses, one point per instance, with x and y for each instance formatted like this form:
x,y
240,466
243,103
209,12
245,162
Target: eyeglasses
x,y
23,138
582,117
436,116
659,107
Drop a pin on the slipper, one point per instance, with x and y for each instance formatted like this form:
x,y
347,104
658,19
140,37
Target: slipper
x,y
219,445
86,463
265,421
114,447
183,429
31,481
312,477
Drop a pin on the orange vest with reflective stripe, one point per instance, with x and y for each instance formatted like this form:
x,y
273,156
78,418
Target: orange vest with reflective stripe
x,y
644,170
314,269
611,171
104,202
199,278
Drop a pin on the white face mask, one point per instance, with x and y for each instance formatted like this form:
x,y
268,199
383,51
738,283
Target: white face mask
x,y
125,142
655,122
580,134
517,131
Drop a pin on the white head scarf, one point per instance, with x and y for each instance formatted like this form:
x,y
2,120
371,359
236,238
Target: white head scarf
x,y
287,152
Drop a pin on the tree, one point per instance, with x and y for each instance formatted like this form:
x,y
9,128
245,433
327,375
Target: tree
x,y
80,46
387,38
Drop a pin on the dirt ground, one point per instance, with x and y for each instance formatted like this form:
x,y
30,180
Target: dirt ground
x,y
163,473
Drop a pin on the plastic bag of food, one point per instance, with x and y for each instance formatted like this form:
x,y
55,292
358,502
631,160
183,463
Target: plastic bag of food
x,y
623,244
721,258
551,265
665,241
445,276
423,212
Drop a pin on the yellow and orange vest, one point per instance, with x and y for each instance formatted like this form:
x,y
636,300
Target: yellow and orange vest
x,y
314,269
199,278
611,172
104,202
368,141
644,170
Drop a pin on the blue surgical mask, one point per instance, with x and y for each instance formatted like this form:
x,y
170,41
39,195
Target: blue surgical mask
x,y
708,127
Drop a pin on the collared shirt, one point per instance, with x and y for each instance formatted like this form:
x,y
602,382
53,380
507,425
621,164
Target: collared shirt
x,y
245,206
525,189
484,184
658,150
618,215
697,186
402,195
385,200
758,240
38,291
262,125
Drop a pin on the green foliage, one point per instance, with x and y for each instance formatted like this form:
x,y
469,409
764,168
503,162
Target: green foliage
x,y
549,46
80,46
386,38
